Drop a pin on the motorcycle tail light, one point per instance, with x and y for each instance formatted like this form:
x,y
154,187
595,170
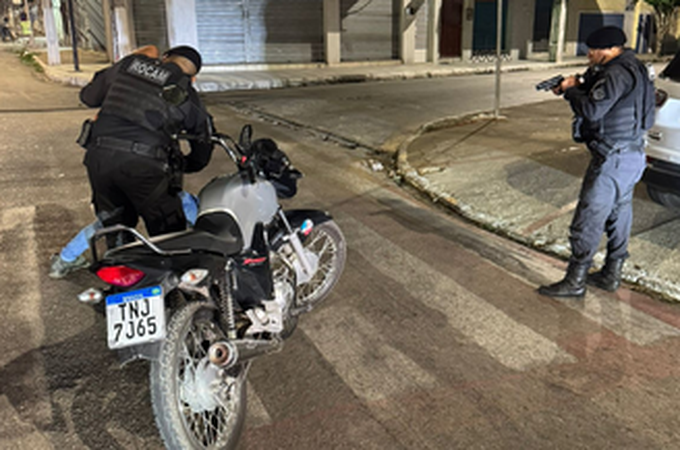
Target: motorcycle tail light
x,y
660,97
120,275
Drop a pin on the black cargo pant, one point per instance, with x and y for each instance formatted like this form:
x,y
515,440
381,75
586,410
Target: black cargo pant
x,y
126,185
606,205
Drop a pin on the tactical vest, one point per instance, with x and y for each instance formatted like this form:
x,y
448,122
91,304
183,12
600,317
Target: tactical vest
x,y
621,125
136,94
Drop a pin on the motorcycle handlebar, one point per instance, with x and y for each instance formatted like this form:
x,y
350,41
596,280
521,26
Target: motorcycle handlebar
x,y
225,141
236,152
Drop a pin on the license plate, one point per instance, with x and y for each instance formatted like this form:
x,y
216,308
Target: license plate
x,y
135,317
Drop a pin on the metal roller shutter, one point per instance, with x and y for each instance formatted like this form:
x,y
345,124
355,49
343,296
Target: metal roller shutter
x,y
370,29
150,23
221,31
289,31
260,31
95,29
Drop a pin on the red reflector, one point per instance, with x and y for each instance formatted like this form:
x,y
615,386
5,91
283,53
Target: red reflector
x,y
120,275
249,261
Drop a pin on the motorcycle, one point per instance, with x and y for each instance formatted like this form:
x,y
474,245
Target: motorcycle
x,y
202,304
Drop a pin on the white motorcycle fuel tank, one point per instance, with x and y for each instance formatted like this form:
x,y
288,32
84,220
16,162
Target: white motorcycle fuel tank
x,y
249,203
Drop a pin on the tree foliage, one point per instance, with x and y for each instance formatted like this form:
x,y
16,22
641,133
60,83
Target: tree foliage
x,y
666,15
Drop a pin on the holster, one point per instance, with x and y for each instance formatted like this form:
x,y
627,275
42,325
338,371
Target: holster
x,y
577,129
85,133
601,147
176,170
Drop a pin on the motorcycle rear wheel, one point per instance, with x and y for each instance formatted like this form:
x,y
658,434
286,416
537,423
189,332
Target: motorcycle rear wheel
x,y
327,242
189,414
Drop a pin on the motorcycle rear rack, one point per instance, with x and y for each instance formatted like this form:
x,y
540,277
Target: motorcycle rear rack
x,y
138,237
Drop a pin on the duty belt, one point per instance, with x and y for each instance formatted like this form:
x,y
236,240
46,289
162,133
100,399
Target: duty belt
x,y
138,148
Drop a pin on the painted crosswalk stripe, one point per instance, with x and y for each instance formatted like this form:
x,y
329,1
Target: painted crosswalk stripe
x,y
347,341
376,372
257,413
624,320
618,317
512,344
21,261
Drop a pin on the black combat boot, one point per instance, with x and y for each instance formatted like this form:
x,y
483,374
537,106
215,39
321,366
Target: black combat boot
x,y
609,278
573,284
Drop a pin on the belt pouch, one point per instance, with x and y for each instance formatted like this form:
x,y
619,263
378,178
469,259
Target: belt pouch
x,y
85,133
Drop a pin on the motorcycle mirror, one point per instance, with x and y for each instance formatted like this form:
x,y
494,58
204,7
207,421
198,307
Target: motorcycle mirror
x,y
245,138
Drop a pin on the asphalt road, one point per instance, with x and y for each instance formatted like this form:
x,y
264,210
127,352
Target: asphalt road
x,y
379,114
433,339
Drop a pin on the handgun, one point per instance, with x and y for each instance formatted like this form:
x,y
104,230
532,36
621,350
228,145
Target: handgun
x,y
550,83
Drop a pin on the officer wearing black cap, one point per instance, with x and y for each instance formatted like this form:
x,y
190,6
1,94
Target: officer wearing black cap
x,y
134,165
608,104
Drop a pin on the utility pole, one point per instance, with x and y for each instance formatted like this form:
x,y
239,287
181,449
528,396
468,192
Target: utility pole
x,y
53,55
558,26
74,36
499,42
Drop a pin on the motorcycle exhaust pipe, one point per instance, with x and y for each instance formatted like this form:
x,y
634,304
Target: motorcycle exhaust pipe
x,y
227,354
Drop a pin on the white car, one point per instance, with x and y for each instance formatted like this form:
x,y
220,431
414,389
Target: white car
x,y
662,176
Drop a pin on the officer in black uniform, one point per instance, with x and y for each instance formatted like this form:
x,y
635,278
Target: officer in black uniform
x,y
607,104
133,163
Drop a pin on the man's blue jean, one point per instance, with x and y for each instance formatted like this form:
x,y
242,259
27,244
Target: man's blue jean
x,y
81,241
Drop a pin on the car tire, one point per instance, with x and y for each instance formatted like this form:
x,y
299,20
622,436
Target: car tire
x,y
664,198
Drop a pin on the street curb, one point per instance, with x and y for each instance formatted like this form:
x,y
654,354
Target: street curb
x,y
356,74
423,185
70,80
407,73
633,274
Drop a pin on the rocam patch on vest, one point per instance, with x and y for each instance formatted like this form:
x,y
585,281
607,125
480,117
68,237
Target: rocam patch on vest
x,y
149,72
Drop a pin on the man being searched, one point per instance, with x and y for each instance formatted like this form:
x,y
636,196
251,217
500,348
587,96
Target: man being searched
x,y
134,165
613,105
70,258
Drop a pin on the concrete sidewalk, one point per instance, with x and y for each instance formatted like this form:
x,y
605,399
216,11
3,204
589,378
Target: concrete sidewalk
x,y
520,177
224,78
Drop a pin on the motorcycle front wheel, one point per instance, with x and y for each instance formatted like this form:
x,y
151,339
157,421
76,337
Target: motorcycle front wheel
x,y
196,405
327,243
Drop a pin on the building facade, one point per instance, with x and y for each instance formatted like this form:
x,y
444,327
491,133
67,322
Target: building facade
x,y
262,32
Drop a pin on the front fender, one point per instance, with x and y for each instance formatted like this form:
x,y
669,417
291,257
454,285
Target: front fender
x,y
295,218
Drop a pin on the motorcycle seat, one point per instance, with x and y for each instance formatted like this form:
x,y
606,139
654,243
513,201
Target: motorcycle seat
x,y
213,233
198,240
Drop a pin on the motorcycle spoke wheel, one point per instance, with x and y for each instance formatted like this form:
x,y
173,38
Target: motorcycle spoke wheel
x,y
328,244
196,405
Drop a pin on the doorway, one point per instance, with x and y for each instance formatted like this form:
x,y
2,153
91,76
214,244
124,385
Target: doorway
x,y
590,22
451,29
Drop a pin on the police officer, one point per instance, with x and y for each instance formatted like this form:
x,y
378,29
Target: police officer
x,y
607,103
133,163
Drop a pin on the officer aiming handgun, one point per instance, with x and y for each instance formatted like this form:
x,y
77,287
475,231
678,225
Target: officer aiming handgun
x,y
556,85
613,106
